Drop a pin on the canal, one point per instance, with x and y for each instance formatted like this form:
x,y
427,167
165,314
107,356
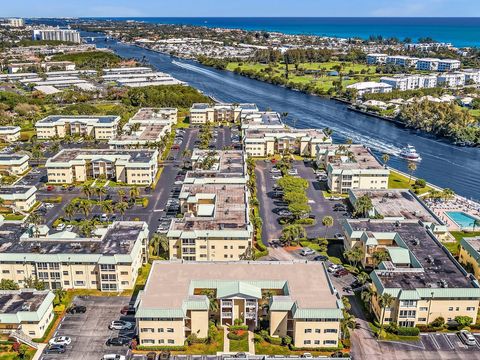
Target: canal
x,y
443,164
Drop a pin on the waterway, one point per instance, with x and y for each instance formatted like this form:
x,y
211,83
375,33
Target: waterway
x,y
443,164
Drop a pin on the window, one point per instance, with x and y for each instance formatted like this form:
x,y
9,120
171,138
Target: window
x,y
161,341
160,330
5,271
422,319
170,341
66,283
317,342
65,273
423,308
124,273
20,271
307,342
170,330
148,341
329,342
470,308
307,331
407,313
331,331
79,283
317,331
78,272
450,308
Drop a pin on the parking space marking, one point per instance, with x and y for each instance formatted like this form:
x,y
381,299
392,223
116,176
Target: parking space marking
x,y
434,341
450,344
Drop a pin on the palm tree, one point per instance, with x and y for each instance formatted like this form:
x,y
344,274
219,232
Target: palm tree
x,y
385,158
363,278
87,190
35,218
134,193
291,233
367,295
327,221
121,207
384,301
101,191
212,298
86,228
346,324
159,244
107,207
85,207
60,294
411,169
363,205
70,210
121,194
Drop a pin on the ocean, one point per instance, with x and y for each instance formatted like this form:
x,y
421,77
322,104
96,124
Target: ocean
x,y
461,32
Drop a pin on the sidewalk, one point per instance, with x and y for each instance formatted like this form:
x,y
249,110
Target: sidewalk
x,y
38,354
251,344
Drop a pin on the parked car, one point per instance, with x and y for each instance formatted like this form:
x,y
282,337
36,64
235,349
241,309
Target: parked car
x,y
104,217
275,170
77,309
467,337
241,355
151,356
292,172
334,267
307,356
60,227
117,341
276,177
50,188
120,325
56,349
69,228
113,357
306,251
164,355
341,272
60,340
127,310
320,258
339,236
285,213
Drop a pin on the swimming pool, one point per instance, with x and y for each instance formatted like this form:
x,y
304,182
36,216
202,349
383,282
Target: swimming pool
x,y
463,220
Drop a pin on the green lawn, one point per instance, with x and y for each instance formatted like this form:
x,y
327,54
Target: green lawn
x,y
205,349
454,247
239,345
399,181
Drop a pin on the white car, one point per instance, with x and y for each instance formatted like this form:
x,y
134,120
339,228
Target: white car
x,y
60,227
276,177
467,337
113,357
60,340
306,251
275,170
120,325
334,267
285,213
292,172
307,356
339,236
69,228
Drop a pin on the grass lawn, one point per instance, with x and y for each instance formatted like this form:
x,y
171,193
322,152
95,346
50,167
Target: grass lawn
x,y
183,122
391,337
205,349
239,345
14,355
399,181
454,247
327,194
475,112
141,279
265,348
13,217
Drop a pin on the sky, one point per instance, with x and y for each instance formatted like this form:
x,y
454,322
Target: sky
x,y
239,8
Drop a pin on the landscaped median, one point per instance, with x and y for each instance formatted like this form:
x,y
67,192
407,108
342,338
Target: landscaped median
x,y
238,337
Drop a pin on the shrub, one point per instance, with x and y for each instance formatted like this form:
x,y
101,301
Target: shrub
x,y
161,348
238,322
286,340
194,339
238,327
145,202
237,335
408,331
56,199
392,328
463,320
420,183
439,321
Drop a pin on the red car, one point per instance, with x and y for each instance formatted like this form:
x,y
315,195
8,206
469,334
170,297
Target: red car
x,y
50,187
127,310
341,272
273,161
175,146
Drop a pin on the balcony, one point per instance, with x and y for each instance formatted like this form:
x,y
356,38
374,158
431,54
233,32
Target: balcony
x,y
251,304
227,314
250,315
227,303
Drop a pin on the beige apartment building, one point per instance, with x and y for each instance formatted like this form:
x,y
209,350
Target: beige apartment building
x,y
469,255
133,167
27,311
109,260
10,133
209,113
173,305
351,167
13,164
17,197
268,140
95,127
423,277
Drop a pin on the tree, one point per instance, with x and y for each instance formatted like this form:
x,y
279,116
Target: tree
x,y
87,190
363,278
85,207
211,294
100,191
86,228
354,256
107,207
346,324
327,221
60,295
411,169
380,256
34,283
448,194
159,244
367,295
121,207
121,194
476,223
134,192
291,233
7,284
299,209
385,301
463,320
385,159
70,210
363,205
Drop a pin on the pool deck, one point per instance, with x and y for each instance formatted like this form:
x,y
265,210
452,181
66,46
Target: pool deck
x,y
457,204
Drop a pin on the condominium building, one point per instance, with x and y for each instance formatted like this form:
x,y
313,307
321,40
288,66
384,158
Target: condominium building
x,y
96,127
15,22
410,82
401,60
370,87
218,164
10,133
148,116
351,167
433,64
472,75
455,79
13,164
133,167
268,140
18,197
45,66
108,260
425,280
449,64
373,59
209,113
28,311
173,305
469,255
57,34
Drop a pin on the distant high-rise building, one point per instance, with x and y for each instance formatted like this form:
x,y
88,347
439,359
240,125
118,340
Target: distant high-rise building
x,y
15,22
57,34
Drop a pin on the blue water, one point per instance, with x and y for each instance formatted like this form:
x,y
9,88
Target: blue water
x,y
461,32
462,219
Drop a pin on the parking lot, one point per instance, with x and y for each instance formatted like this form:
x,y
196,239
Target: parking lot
x,y
271,206
89,331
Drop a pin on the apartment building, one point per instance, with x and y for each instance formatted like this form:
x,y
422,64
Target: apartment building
x,y
218,164
370,87
15,22
472,75
401,60
109,260
449,64
95,127
268,140
173,305
133,167
28,311
215,224
13,164
425,280
455,79
469,255
373,59
433,64
146,116
44,66
351,167
410,82
400,205
17,197
220,112
10,133
57,34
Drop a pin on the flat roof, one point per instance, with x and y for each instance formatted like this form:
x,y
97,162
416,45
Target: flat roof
x,y
436,262
107,119
14,189
361,157
172,282
397,203
154,114
224,163
147,133
12,302
129,155
117,238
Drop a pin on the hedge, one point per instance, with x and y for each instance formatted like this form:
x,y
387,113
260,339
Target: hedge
x,y
274,340
57,199
161,348
237,327
234,336
326,349
408,331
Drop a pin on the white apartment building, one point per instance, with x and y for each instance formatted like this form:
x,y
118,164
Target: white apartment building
x,y
13,164
18,197
46,66
10,133
370,87
15,22
57,34
452,79
448,64
472,75
220,112
401,60
373,59
410,82
96,127
433,64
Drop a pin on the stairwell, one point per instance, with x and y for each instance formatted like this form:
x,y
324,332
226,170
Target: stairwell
x,y
21,337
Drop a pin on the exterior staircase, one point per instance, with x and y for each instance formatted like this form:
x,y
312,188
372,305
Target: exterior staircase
x,y
21,337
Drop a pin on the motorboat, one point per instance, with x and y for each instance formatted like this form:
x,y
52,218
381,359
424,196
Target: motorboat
x,y
410,153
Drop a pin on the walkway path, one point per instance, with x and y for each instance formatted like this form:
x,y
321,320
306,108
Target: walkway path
x,y
251,343
226,341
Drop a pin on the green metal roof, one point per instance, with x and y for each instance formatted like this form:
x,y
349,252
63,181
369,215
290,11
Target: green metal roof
x,y
231,288
281,303
470,249
317,314
399,255
196,302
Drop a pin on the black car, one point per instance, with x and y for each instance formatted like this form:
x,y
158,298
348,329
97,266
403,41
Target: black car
x,y
151,356
320,258
118,341
76,309
55,349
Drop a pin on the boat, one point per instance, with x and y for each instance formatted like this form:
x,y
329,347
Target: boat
x,y
409,153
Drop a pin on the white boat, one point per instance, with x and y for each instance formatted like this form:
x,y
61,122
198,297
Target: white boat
x,y
409,153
